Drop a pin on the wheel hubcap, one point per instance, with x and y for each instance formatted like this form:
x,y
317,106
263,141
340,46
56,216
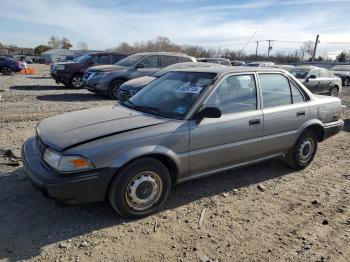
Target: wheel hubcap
x,y
115,89
144,190
306,150
334,91
77,81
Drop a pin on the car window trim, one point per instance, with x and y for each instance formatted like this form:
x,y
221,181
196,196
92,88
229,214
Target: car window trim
x,y
290,90
216,83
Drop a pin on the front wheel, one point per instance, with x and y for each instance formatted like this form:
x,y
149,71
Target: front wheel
x,y
347,81
76,81
113,89
303,151
140,188
6,71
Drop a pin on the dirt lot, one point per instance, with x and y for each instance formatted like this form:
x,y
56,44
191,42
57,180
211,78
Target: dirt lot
x,y
301,216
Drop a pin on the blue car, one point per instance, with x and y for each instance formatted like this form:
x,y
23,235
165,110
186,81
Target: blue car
x,y
8,65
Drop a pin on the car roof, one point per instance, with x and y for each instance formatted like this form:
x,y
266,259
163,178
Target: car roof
x,y
230,69
307,67
163,53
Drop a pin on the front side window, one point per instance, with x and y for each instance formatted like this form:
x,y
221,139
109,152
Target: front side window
x,y
235,94
171,95
129,61
324,73
315,72
101,59
275,90
150,62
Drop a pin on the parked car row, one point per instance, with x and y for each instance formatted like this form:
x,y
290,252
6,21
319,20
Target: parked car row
x,y
184,125
9,65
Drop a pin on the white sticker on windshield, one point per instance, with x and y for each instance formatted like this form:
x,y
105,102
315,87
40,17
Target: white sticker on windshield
x,y
190,89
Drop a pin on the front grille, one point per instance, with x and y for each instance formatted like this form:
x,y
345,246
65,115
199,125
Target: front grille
x,y
41,145
124,95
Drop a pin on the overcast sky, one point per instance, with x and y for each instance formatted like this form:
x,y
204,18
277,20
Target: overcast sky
x,y
106,23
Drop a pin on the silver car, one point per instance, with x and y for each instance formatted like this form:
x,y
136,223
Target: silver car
x,y
185,125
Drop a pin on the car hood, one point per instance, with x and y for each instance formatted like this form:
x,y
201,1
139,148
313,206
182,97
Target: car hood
x,y
71,129
137,83
107,68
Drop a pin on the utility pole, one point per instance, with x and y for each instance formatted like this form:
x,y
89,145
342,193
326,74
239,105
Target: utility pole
x,y
315,48
269,49
257,47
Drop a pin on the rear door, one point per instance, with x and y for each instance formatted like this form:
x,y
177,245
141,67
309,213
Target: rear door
x,y
285,110
325,80
217,144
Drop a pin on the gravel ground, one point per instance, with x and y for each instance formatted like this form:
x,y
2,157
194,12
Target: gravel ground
x,y
265,212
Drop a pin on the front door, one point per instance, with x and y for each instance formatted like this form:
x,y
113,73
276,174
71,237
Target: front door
x,y
285,111
149,65
217,144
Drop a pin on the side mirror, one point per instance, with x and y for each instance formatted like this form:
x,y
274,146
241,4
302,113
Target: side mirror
x,y
140,65
209,112
310,77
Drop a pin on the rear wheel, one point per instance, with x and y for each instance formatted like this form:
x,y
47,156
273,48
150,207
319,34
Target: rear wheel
x,y
334,91
303,151
347,81
140,188
76,81
6,71
113,89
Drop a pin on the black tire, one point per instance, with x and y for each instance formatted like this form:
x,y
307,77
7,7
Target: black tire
x,y
347,81
334,91
145,179
303,151
6,71
76,81
113,89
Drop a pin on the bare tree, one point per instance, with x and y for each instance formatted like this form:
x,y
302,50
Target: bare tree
x,y
82,45
54,42
65,43
306,48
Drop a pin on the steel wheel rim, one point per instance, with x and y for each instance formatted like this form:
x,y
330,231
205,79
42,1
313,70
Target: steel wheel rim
x,y
115,89
77,81
6,71
334,91
144,190
306,150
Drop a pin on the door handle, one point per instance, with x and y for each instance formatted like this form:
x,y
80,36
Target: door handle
x,y
254,122
301,114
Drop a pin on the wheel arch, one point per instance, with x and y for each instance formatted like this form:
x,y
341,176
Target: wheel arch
x,y
317,128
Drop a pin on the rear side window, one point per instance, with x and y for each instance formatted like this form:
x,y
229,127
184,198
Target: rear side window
x,y
183,59
168,60
296,94
150,62
116,58
275,90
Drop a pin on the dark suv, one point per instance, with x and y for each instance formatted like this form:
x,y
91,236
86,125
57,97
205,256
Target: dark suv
x,y
71,73
107,79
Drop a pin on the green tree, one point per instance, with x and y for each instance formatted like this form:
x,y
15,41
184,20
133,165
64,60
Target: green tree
x,y
342,57
40,49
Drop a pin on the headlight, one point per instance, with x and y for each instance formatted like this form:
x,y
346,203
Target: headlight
x,y
61,67
66,163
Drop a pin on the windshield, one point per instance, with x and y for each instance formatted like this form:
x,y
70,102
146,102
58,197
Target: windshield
x,y
299,73
171,95
129,61
340,68
83,58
